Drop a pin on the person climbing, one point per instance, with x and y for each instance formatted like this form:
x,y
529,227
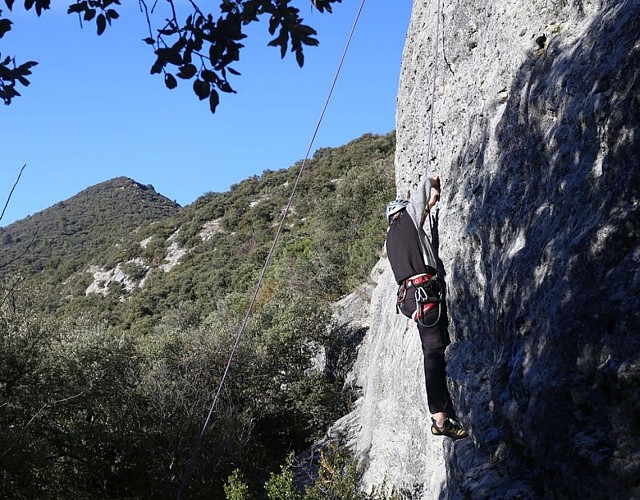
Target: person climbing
x,y
420,297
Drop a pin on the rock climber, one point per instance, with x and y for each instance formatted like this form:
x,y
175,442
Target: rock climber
x,y
420,297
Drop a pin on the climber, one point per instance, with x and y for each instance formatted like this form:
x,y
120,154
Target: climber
x,y
414,266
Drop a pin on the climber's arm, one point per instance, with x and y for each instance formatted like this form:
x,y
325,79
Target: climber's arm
x,y
426,194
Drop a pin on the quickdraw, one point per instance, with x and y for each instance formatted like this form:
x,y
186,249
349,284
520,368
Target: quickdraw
x,y
425,302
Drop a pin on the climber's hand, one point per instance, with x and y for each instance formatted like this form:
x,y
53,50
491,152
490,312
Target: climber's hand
x,y
435,192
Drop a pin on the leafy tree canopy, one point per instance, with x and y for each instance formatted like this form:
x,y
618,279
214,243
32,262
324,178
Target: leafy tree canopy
x,y
191,43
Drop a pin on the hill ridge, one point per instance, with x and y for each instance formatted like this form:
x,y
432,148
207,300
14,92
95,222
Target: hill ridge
x,y
98,215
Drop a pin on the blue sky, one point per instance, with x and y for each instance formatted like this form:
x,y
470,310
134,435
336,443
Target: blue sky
x,y
93,112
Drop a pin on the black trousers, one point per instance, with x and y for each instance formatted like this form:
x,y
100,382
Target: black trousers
x,y
434,341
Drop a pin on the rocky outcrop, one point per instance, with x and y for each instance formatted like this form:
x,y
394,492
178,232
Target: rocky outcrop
x,y
536,138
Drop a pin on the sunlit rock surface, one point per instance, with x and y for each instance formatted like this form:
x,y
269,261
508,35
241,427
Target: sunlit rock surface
x,y
536,139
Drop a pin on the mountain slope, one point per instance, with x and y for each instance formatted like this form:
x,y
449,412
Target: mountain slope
x,y
86,224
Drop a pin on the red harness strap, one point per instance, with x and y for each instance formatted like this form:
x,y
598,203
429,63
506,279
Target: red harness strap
x,y
419,280
423,309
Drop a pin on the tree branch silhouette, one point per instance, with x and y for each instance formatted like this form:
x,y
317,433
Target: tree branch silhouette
x,y
12,190
33,239
200,47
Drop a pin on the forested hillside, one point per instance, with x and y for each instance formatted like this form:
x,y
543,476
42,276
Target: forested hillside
x,y
88,224
118,310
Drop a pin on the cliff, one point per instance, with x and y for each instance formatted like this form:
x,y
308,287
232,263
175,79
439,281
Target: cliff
x,y
536,139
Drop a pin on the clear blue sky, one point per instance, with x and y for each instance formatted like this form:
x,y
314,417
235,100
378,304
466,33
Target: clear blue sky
x,y
93,112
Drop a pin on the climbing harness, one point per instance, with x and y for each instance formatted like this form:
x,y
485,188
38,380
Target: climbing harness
x,y
428,297
427,293
187,475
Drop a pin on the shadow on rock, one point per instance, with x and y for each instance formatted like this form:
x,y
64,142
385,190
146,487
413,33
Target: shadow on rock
x,y
546,361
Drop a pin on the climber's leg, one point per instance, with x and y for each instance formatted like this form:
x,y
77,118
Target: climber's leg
x,y
435,375
436,383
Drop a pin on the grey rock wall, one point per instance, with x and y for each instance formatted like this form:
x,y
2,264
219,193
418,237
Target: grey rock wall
x,y
538,149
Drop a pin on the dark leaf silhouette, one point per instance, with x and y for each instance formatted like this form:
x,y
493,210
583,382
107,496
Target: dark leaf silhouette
x,y
5,26
101,24
202,89
214,100
187,71
170,81
89,14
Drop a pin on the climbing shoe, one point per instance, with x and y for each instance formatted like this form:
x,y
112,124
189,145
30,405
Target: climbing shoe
x,y
450,429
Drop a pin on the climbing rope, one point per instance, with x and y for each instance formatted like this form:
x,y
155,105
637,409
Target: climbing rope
x,y
187,475
427,155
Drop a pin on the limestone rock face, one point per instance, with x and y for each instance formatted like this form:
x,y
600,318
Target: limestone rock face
x,y
536,139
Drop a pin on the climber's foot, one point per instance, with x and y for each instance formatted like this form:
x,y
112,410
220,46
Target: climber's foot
x,y
450,429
